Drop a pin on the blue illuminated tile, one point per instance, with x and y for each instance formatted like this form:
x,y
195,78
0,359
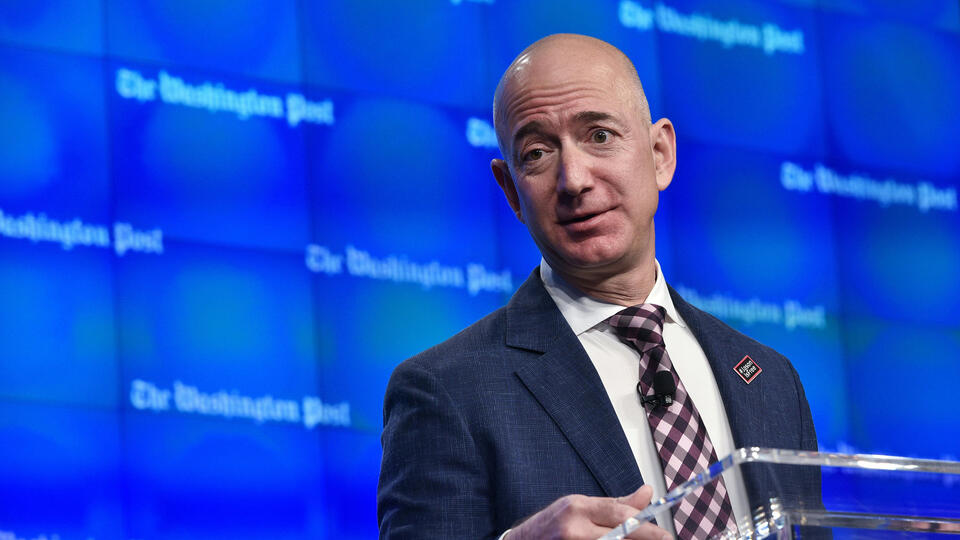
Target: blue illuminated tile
x,y
217,319
57,329
897,261
736,228
60,471
899,111
257,39
400,178
897,369
208,159
742,74
350,470
71,25
944,14
53,149
205,477
433,52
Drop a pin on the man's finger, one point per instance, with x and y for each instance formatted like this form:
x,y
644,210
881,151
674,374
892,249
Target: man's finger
x,y
633,503
649,531
607,514
610,512
640,498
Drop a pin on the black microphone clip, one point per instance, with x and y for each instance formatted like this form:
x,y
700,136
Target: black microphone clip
x,y
664,388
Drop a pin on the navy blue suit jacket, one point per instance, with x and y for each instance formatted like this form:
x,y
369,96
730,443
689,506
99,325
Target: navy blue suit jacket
x,y
508,415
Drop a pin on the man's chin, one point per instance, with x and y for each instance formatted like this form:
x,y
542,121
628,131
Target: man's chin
x,y
590,262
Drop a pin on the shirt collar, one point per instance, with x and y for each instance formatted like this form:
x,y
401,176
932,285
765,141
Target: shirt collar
x,y
583,312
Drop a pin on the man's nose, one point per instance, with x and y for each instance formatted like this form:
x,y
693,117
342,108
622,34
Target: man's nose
x,y
574,177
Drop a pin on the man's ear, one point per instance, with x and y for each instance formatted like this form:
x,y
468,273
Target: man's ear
x,y
505,180
664,142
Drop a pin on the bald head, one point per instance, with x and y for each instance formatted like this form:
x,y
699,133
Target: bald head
x,y
571,52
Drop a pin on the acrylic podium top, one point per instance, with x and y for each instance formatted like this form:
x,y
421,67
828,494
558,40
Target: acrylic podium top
x,y
863,496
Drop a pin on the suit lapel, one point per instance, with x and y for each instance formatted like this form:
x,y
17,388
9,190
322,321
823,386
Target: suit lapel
x,y
743,402
565,383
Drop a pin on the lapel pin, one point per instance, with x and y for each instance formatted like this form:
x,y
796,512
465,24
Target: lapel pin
x,y
747,369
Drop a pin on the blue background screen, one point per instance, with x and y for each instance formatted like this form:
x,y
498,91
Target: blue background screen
x,y
224,223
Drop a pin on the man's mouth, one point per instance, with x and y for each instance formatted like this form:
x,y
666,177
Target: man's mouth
x,y
580,218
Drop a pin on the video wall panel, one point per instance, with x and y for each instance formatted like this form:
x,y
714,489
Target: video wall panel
x,y
735,73
900,263
53,140
58,334
208,158
873,118
61,467
66,25
222,225
896,368
255,39
201,476
433,51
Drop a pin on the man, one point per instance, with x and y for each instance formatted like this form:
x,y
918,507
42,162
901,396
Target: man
x,y
528,422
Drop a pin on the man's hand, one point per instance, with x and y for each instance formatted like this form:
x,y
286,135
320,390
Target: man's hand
x,y
578,517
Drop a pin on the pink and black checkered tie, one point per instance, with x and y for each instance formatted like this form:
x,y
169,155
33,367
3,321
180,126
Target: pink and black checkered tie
x,y
677,429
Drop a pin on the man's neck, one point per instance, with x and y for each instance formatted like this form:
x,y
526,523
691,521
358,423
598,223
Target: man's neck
x,y
626,288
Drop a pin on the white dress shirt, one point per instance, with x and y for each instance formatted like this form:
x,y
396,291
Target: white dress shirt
x,y
618,366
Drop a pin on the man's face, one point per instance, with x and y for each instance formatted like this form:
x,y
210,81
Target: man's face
x,y
583,169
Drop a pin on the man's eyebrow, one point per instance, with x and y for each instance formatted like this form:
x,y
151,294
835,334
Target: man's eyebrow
x,y
589,117
527,129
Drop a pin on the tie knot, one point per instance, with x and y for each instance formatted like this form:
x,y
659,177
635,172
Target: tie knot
x,y
642,324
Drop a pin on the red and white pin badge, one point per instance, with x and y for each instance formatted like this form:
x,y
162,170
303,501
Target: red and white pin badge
x,y
748,369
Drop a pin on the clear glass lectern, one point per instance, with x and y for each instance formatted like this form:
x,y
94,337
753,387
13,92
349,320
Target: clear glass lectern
x,y
863,496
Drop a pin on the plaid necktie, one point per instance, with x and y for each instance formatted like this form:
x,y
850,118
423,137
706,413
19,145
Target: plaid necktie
x,y
678,431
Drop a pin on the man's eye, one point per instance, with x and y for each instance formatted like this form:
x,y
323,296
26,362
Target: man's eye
x,y
533,155
600,136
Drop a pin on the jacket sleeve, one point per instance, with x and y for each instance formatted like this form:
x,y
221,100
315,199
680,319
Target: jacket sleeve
x,y
808,442
433,481
811,494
